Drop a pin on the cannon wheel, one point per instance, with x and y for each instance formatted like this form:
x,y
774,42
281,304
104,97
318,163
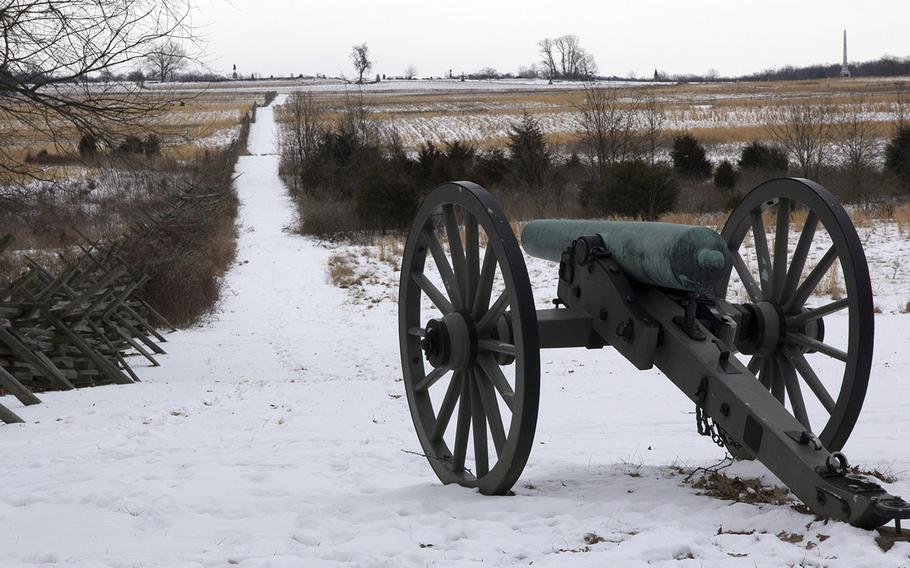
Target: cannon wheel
x,y
477,348
781,284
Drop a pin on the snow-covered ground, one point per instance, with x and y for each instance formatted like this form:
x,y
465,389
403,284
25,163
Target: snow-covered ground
x,y
400,86
277,435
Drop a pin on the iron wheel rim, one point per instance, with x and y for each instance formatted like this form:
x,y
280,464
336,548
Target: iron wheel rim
x,y
827,214
475,203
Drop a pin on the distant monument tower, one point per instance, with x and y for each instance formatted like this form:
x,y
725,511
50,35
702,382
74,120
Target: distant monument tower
x,y
844,70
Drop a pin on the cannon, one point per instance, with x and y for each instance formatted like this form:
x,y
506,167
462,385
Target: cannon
x,y
685,299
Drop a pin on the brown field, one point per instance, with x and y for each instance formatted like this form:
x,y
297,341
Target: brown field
x,y
194,121
716,113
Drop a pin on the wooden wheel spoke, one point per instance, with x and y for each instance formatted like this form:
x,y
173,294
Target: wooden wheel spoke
x,y
811,282
762,253
444,268
817,313
456,249
781,242
496,346
432,292
795,272
808,374
764,374
485,284
778,389
447,407
491,409
794,392
494,374
463,426
755,364
752,287
479,430
486,323
472,258
431,379
811,343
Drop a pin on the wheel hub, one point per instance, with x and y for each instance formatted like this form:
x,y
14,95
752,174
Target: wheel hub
x,y
771,328
768,328
450,342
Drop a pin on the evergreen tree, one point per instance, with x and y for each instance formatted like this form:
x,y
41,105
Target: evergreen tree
x,y
758,156
528,152
689,158
725,176
897,155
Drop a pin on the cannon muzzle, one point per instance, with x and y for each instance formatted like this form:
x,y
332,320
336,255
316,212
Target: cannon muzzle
x,y
681,257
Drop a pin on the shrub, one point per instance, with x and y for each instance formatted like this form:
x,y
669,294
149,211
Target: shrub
x,y
132,145
758,156
88,145
435,166
725,176
460,157
386,198
491,167
689,157
897,155
528,153
151,146
634,189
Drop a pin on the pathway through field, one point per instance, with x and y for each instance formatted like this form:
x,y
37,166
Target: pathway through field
x,y
272,436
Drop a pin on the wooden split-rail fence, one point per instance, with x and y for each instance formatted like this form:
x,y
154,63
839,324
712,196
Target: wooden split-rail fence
x,y
78,327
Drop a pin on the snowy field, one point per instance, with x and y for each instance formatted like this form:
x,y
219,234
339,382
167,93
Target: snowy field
x,y
722,115
277,435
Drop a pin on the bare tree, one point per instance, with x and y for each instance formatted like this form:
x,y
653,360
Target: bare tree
x,y
901,104
302,124
410,72
652,118
166,58
547,58
50,52
858,142
608,126
356,123
564,58
804,130
360,57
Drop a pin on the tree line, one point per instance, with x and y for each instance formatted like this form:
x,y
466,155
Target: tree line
x,y
354,172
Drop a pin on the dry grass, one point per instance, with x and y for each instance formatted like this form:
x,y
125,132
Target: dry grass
x,y
831,285
715,484
885,475
722,113
340,270
902,218
183,130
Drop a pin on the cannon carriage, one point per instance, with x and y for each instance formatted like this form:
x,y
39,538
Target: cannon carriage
x,y
663,296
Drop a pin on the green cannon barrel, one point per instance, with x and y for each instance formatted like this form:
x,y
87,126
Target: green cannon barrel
x,y
682,257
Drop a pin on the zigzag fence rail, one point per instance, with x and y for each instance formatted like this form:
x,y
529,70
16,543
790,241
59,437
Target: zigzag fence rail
x,y
80,326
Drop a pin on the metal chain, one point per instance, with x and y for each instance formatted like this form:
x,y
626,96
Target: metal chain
x,y
707,427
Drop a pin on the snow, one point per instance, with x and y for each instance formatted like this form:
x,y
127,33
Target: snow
x,y
277,435
397,86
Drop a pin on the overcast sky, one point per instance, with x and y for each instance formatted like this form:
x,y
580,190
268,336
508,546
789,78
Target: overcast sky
x,y
687,36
